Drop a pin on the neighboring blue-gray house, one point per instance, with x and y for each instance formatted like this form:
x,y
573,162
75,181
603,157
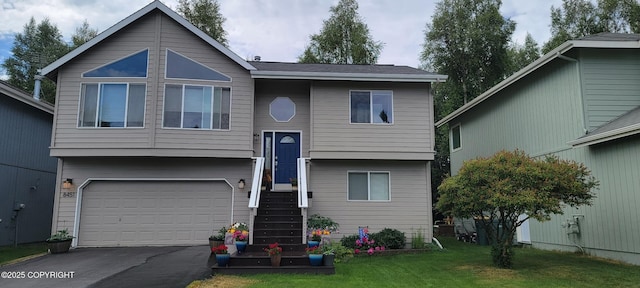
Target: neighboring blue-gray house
x,y
27,172
580,101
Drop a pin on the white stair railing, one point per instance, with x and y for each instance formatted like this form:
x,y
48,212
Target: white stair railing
x,y
303,200
254,197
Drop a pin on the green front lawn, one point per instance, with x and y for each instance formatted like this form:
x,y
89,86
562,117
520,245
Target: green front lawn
x,y
460,265
10,253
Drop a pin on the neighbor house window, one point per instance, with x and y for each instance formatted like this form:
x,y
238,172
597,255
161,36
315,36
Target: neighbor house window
x,y
371,107
369,186
112,105
196,107
456,142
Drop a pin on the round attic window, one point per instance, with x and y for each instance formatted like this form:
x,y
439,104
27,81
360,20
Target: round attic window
x,y
282,109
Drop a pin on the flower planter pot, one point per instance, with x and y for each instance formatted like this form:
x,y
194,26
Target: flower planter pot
x,y
315,259
223,260
59,246
241,246
215,243
312,244
327,260
276,259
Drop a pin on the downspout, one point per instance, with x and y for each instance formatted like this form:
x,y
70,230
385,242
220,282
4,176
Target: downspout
x,y
36,87
582,102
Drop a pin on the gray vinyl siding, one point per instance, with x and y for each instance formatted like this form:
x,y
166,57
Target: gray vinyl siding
x,y
27,172
155,32
408,210
298,92
611,84
81,169
540,114
334,137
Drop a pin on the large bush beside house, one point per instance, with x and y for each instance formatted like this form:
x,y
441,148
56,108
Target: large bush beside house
x,y
390,238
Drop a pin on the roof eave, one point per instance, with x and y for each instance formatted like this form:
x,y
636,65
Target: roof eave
x,y
26,98
606,136
299,75
510,80
51,68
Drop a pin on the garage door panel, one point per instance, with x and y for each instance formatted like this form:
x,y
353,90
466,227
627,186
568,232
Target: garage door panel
x,y
139,213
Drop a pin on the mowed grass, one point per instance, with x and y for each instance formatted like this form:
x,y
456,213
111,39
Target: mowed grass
x,y
459,265
10,253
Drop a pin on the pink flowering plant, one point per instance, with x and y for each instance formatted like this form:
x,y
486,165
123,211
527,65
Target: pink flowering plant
x,y
366,245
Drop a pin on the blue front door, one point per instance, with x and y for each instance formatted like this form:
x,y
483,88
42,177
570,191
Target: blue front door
x,y
287,151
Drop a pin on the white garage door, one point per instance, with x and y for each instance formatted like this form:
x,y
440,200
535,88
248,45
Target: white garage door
x,y
141,213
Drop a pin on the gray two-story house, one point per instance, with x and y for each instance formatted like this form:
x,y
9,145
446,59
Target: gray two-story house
x,y
156,124
581,101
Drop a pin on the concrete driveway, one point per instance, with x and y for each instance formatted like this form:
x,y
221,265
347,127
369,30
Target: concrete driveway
x,y
112,267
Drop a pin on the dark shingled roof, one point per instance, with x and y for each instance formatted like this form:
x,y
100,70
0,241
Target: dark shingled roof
x,y
628,119
607,36
338,68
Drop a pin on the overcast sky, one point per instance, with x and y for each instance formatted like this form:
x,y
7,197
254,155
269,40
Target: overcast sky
x,y
276,30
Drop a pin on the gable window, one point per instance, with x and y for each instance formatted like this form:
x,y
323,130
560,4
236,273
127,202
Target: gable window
x,y
456,142
371,107
131,66
181,67
112,105
196,107
368,186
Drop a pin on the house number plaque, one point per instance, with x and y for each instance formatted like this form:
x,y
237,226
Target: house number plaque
x,y
68,194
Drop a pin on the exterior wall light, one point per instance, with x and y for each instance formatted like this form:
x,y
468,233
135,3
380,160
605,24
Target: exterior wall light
x,y
241,184
67,184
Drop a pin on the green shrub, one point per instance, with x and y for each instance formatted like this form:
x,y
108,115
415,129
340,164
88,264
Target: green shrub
x,y
342,254
417,239
389,238
349,241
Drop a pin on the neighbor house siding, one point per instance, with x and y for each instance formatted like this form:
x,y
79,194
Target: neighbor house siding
x,y
27,172
408,210
538,115
155,32
334,137
611,84
81,169
298,92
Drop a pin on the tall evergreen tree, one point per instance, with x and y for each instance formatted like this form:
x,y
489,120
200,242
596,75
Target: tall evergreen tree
x,y
36,47
205,14
344,39
522,55
579,18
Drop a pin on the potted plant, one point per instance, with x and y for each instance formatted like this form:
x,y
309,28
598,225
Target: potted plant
x,y
329,254
315,255
316,237
60,242
275,252
240,233
217,239
222,255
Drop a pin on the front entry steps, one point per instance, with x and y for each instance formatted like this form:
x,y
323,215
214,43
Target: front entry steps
x,y
278,220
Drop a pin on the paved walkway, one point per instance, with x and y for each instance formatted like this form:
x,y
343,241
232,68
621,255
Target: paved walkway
x,y
112,267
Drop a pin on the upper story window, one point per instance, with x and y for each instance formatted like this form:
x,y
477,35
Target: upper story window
x,y
456,140
369,186
112,105
371,107
196,107
181,67
131,66
282,109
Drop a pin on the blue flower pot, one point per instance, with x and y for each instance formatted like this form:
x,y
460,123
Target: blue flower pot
x,y
223,259
241,246
315,259
313,243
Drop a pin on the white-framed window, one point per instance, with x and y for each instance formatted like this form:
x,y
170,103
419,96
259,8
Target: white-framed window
x,y
196,107
371,107
456,137
112,105
282,109
368,186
